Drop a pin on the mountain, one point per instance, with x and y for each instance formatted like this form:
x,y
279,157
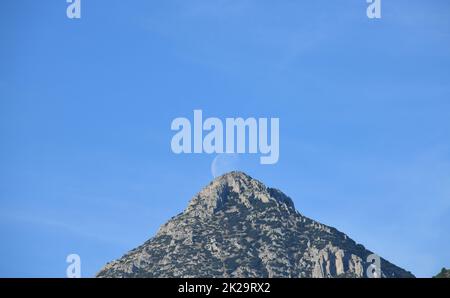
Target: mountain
x,y
238,227
445,273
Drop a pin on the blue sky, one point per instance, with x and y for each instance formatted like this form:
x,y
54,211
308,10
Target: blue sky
x,y
86,107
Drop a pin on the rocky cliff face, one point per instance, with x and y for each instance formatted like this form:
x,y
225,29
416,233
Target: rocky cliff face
x,y
238,227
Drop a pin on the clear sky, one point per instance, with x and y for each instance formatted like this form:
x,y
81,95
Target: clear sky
x,y
86,106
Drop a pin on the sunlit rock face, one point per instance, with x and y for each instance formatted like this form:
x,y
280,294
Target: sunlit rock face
x,y
238,227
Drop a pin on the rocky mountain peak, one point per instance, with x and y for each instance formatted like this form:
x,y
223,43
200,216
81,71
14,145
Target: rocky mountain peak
x,y
236,189
238,227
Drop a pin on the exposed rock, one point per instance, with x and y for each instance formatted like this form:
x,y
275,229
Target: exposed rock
x,y
445,273
237,227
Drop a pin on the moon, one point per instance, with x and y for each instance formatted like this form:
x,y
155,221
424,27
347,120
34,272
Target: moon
x,y
224,163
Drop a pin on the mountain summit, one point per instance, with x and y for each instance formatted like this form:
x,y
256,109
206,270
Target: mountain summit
x,y
238,227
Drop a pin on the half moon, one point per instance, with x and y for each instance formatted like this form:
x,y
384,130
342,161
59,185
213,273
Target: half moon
x,y
224,163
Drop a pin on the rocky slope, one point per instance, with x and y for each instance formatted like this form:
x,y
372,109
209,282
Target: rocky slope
x,y
445,273
238,227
